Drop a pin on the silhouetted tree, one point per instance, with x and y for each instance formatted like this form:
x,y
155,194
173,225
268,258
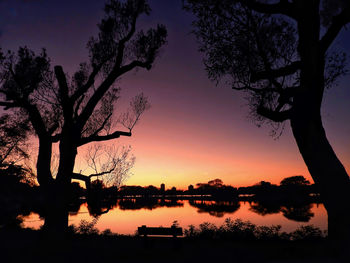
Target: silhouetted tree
x,y
297,180
279,53
74,111
110,164
216,183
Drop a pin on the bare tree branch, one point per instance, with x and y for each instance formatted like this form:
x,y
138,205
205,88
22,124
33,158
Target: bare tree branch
x,y
122,42
96,97
98,138
275,73
109,163
62,83
282,7
277,116
138,105
136,63
77,106
106,120
339,21
91,80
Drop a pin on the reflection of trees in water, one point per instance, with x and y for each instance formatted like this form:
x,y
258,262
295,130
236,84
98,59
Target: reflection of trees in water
x,y
13,214
296,212
263,208
74,207
12,217
147,203
99,207
215,208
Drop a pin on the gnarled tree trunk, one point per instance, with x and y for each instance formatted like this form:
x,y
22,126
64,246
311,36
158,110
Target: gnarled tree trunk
x,y
324,166
327,172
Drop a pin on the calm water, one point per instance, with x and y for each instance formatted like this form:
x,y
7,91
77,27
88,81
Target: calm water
x,y
127,215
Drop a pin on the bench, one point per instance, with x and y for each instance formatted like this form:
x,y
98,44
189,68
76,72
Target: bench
x,y
160,231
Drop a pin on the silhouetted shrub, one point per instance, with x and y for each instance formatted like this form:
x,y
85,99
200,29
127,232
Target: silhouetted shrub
x,y
86,228
208,230
309,232
270,233
190,232
239,230
107,232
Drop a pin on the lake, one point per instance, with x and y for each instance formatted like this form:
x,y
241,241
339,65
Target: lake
x,y
128,214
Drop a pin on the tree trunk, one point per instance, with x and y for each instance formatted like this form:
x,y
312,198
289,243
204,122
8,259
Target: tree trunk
x,y
328,173
68,153
56,214
57,217
325,168
43,164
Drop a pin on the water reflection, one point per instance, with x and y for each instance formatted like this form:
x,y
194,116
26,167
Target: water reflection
x,y
215,208
298,212
98,207
125,215
263,209
147,203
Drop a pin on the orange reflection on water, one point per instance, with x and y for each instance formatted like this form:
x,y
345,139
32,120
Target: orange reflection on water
x,y
126,221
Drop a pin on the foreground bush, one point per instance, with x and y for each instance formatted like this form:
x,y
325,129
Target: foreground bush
x,y
246,231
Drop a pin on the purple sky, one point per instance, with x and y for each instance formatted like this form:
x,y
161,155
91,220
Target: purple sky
x,y
194,131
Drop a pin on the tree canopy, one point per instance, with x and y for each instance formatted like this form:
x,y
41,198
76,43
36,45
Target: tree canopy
x,y
255,47
297,180
78,109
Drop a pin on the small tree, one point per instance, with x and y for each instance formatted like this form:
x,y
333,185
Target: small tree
x,y
297,180
217,183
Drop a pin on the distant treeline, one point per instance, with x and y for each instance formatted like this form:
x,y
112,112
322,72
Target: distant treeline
x,y
13,184
214,188
295,186
292,197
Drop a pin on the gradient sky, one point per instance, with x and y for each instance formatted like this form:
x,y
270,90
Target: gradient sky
x,y
194,131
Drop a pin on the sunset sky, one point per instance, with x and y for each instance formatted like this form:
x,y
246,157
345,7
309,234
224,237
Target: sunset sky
x,y
194,131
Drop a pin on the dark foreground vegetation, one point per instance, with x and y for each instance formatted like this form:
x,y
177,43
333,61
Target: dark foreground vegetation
x,y
237,241
234,241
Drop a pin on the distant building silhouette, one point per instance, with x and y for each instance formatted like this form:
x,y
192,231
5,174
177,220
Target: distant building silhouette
x,y
162,187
